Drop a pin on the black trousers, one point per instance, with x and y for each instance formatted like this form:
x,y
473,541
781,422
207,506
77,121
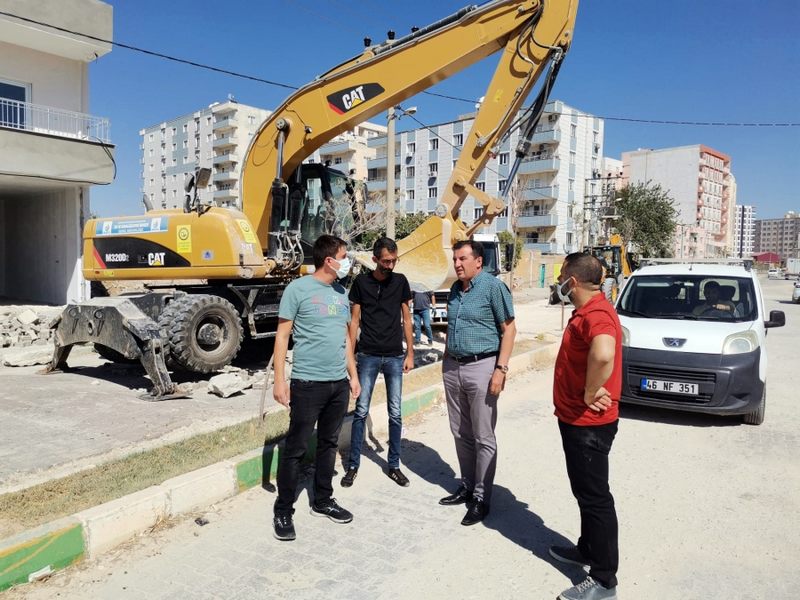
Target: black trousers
x,y
320,403
586,450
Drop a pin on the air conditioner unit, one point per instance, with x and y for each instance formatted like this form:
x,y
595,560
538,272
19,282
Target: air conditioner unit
x,y
552,118
432,174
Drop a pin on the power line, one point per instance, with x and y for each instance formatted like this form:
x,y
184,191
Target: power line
x,y
445,96
152,53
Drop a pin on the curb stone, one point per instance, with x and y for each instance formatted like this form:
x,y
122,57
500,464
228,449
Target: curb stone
x,y
41,551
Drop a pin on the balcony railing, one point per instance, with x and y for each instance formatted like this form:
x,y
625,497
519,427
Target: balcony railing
x,y
550,247
537,219
53,121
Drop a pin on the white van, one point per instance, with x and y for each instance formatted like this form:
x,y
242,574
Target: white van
x,y
693,338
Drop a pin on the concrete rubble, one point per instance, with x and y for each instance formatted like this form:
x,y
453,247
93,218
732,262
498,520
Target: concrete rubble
x,y
228,384
26,326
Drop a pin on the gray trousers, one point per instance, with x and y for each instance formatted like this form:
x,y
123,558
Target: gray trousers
x,y
473,416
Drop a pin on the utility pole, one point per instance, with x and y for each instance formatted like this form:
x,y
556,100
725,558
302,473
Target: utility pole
x,y
390,128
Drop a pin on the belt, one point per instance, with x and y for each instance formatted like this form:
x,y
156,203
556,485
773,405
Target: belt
x,y
470,358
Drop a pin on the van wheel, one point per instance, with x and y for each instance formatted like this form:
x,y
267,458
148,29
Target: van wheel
x,y
757,416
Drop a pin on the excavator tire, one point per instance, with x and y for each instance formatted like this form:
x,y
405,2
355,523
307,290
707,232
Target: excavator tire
x,y
609,288
203,332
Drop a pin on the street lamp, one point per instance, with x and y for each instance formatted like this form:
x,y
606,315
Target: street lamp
x,y
394,113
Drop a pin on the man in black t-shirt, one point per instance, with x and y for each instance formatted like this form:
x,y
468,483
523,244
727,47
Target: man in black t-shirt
x,y
380,309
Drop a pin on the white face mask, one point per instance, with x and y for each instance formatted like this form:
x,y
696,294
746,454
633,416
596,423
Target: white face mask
x,y
344,267
563,293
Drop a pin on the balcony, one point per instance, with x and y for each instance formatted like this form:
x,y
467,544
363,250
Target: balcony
x,y
56,144
546,248
227,157
225,177
542,193
225,123
547,136
537,220
544,165
226,194
341,147
223,141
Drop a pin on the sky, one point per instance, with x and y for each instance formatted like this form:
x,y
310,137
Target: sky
x,y
684,60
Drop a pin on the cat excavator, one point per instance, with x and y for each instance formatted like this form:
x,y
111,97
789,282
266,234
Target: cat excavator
x,y
224,270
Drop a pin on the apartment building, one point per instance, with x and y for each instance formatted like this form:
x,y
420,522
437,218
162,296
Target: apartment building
x,y
217,137
699,179
51,150
744,234
781,236
548,188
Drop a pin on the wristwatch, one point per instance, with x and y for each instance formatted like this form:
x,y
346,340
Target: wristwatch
x,y
503,368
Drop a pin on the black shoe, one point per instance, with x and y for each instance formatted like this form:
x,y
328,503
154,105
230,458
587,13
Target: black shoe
x,y
283,528
476,513
332,510
569,554
397,476
349,477
462,496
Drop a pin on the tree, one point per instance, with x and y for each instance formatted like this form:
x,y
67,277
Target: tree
x,y
404,225
646,218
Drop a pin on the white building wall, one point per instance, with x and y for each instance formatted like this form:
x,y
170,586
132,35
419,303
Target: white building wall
x,y
41,222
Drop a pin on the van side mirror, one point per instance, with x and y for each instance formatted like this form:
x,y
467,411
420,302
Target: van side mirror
x,y
776,319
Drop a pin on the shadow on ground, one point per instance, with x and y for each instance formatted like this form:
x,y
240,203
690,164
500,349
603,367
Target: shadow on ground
x,y
673,417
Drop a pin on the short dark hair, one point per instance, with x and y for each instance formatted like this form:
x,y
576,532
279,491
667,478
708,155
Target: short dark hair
x,y
388,243
326,246
476,247
585,268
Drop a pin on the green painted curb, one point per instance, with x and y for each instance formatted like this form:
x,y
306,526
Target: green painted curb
x,y
52,550
250,472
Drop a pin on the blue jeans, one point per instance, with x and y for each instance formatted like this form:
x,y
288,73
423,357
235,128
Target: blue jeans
x,y
369,367
420,319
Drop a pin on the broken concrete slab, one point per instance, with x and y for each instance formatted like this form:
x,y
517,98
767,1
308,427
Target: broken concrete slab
x,y
228,384
27,357
27,317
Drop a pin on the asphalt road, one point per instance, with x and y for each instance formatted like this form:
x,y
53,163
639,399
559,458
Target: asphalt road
x,y
708,508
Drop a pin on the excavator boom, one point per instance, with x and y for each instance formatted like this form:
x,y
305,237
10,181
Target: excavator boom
x,y
529,34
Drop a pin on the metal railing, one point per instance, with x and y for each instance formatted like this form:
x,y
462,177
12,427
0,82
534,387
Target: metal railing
x,y
54,121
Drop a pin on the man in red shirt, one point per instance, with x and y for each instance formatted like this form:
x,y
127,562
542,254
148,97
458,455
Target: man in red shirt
x,y
586,391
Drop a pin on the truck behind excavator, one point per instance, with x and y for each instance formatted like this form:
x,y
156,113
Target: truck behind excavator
x,y
234,265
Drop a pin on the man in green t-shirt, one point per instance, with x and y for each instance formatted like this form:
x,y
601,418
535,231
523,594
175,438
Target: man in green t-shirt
x,y
315,311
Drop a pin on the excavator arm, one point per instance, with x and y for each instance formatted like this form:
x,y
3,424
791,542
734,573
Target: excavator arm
x,y
531,35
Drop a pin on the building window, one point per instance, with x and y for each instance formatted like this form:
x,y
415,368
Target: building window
x,y
411,147
432,193
433,144
573,130
410,194
151,152
501,185
481,185
571,186
185,127
433,169
410,172
150,138
458,139
185,143
502,158
476,213
572,157
337,160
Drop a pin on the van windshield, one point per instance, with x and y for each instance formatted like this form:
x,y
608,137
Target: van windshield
x,y
696,297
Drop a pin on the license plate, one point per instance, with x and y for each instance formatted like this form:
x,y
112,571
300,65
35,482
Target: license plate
x,y
670,387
